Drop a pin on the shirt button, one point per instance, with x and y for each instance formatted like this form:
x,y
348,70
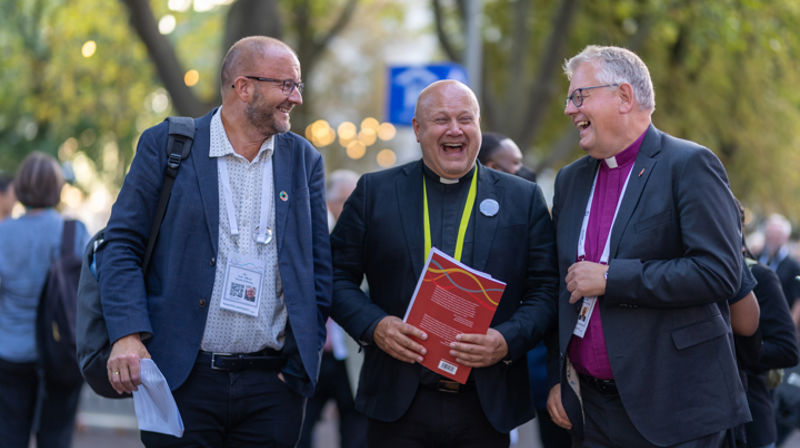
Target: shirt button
x,y
202,303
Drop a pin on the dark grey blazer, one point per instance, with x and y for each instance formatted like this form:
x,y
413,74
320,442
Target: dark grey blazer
x,y
675,252
380,235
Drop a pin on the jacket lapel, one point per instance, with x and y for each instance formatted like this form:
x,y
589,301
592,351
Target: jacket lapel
x,y
577,200
570,219
207,180
282,181
640,174
408,189
485,226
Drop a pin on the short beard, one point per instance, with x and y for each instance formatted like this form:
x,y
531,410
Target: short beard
x,y
263,119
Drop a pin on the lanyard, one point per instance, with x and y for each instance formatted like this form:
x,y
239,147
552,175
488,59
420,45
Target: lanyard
x,y
585,225
462,228
263,233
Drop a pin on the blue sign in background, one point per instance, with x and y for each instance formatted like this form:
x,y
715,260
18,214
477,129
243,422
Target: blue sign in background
x,y
407,81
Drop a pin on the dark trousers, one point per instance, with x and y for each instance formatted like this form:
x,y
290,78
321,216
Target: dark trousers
x,y
250,408
334,385
607,424
552,435
438,420
20,386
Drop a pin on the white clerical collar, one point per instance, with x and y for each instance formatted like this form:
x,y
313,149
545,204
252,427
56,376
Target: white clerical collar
x,y
445,180
611,162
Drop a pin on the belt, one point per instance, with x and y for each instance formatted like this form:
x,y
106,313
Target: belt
x,y
602,386
449,386
266,359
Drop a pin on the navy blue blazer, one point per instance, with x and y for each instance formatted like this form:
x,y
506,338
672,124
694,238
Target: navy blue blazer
x,y
777,349
171,303
675,252
379,234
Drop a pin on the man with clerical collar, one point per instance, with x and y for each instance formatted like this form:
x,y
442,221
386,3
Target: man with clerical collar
x,y
648,241
491,221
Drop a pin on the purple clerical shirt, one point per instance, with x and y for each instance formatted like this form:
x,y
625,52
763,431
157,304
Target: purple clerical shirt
x,y
589,354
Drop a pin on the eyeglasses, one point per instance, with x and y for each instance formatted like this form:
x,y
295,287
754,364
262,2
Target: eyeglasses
x,y
287,85
577,95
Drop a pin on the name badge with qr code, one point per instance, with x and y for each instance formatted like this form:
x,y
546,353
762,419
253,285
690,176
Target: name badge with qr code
x,y
241,292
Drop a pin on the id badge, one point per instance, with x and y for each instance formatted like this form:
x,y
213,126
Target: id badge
x,y
242,288
587,307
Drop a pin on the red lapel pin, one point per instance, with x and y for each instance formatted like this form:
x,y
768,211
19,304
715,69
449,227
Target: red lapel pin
x,y
641,172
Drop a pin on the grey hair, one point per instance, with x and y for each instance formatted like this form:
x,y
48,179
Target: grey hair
x,y
617,65
779,220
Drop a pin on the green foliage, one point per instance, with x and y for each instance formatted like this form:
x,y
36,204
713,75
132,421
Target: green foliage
x,y
51,93
725,73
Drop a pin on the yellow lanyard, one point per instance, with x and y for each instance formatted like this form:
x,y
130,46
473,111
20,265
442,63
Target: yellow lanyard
x,y
462,228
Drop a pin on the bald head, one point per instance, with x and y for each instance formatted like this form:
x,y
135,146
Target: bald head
x,y
445,87
447,125
245,55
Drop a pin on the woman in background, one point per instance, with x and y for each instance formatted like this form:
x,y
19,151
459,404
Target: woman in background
x,y
28,245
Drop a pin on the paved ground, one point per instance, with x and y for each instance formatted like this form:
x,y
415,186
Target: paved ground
x,y
104,438
104,423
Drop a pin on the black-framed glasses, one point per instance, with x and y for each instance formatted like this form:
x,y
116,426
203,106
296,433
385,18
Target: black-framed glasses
x,y
287,85
577,95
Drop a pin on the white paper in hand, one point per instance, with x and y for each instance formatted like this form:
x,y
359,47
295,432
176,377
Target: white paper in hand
x,y
155,407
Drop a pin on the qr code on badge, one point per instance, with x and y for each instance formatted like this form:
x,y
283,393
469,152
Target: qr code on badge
x,y
237,290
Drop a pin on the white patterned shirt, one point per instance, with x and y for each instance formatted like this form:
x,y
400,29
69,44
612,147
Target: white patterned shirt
x,y
229,331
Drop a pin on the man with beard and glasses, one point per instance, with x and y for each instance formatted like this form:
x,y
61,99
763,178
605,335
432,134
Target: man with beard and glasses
x,y
247,212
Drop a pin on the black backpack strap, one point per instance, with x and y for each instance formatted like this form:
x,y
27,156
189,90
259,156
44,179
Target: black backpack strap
x,y
68,237
179,143
181,134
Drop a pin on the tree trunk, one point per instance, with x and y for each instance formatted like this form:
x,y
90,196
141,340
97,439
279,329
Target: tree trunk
x,y
163,55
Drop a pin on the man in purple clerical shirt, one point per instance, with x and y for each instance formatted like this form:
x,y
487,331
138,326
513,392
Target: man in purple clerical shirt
x,y
648,244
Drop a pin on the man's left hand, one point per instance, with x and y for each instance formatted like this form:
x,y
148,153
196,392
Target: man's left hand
x,y
586,279
479,350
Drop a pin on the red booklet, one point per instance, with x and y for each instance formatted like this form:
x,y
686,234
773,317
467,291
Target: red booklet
x,y
451,298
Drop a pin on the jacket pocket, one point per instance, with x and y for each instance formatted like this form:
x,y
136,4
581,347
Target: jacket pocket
x,y
698,333
652,221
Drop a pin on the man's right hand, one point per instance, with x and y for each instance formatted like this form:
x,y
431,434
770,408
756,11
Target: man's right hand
x,y
392,335
556,408
123,363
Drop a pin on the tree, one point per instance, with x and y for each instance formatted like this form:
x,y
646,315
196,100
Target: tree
x,y
312,34
71,83
725,75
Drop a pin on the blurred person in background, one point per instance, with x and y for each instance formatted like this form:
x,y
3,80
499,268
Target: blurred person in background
x,y
7,197
773,346
502,154
776,255
30,243
334,379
